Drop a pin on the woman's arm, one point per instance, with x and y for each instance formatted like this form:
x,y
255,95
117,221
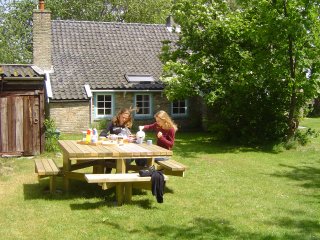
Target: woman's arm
x,y
167,138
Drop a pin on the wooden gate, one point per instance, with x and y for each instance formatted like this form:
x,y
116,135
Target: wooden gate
x,y
21,123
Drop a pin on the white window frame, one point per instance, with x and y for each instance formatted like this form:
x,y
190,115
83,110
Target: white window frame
x,y
180,114
96,115
137,115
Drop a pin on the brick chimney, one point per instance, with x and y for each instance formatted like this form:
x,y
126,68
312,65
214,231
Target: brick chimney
x,y
42,37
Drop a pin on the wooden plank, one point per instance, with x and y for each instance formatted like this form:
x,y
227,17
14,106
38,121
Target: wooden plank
x,y
27,126
41,122
70,147
35,125
136,150
40,169
119,177
19,123
88,150
3,125
11,124
113,152
47,167
172,165
54,167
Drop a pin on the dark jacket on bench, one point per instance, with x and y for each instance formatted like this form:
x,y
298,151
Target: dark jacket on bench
x,y
158,184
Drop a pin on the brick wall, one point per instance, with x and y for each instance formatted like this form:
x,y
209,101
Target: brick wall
x,y
70,117
42,39
75,116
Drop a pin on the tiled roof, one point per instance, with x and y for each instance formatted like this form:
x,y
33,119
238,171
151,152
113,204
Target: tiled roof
x,y
23,71
101,53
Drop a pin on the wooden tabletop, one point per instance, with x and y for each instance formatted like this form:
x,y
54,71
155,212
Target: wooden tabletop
x,y
127,150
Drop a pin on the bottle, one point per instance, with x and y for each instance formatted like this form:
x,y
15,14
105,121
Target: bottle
x,y
88,136
94,137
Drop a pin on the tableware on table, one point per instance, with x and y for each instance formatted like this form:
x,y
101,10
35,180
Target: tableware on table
x,y
84,134
149,142
140,135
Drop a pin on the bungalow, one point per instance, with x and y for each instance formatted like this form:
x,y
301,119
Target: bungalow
x,y
93,69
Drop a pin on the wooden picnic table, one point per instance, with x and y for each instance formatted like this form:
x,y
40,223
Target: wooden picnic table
x,y
78,156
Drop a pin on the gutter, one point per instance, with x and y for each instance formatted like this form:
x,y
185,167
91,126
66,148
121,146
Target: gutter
x,y
23,79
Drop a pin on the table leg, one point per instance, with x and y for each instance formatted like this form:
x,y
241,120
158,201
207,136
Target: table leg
x,y
150,162
99,167
120,193
128,192
121,165
66,169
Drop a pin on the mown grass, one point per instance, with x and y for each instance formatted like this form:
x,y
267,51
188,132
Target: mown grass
x,y
229,192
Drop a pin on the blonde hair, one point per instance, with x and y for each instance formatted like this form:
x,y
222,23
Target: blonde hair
x,y
167,121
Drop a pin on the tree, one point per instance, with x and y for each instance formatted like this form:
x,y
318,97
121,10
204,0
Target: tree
x,y
16,31
256,64
16,19
142,11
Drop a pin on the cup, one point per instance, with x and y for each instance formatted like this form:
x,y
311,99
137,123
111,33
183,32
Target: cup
x,y
149,142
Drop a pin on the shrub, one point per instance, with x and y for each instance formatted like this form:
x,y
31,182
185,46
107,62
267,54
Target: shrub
x,y
51,135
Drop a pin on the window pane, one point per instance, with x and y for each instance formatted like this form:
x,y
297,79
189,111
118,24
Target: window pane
x,y
100,104
143,104
104,105
179,107
107,112
107,98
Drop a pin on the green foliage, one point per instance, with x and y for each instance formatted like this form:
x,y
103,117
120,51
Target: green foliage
x,y
146,11
102,124
256,64
52,136
16,19
16,31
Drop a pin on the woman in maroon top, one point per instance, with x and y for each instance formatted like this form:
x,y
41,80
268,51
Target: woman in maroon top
x,y
165,129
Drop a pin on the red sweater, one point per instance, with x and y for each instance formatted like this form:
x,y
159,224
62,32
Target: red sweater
x,y
167,139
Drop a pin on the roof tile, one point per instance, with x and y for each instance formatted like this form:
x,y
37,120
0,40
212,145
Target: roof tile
x,y
101,53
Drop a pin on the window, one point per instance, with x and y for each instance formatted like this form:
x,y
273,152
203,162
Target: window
x,y
179,108
140,78
143,104
103,105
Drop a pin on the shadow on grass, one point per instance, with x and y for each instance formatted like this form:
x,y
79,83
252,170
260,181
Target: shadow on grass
x,y
82,190
203,228
186,144
301,227
307,175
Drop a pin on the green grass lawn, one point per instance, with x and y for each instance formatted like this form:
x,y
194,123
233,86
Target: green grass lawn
x,y
229,192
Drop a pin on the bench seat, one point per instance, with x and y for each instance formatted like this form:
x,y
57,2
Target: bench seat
x,y
47,168
171,167
124,183
117,178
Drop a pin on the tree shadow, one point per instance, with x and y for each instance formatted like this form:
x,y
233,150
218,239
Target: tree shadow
x,y
186,144
307,175
301,227
84,190
200,228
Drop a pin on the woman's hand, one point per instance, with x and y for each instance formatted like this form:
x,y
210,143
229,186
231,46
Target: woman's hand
x,y
159,135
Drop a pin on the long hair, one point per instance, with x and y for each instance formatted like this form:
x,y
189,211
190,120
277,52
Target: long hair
x,y
168,122
128,122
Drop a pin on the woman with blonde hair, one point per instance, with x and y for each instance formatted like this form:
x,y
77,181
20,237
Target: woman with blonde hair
x,y
165,129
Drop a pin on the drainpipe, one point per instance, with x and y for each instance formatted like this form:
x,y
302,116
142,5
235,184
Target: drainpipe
x,y
2,80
